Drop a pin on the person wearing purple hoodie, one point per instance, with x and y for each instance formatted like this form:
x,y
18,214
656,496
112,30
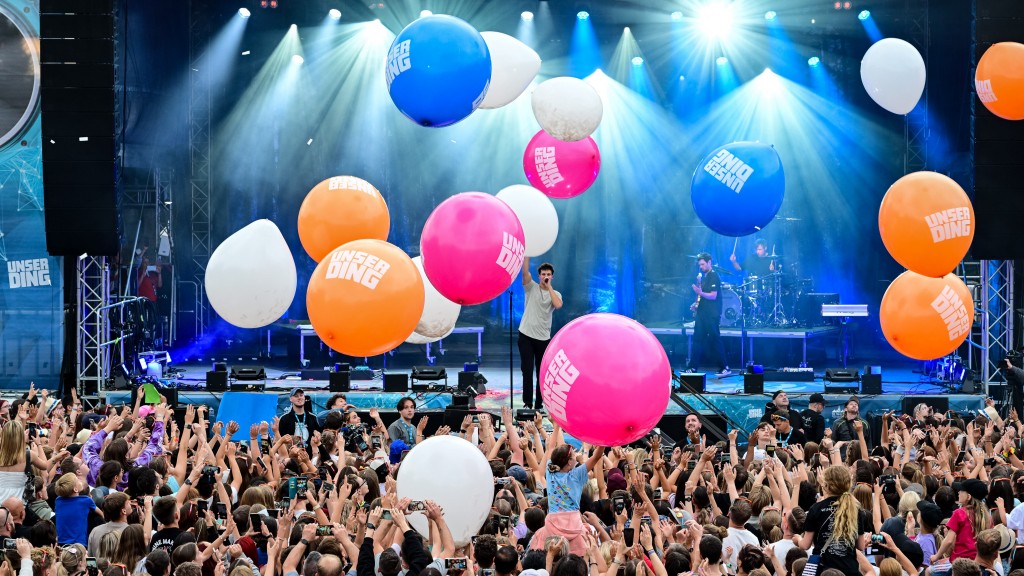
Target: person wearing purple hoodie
x,y
118,450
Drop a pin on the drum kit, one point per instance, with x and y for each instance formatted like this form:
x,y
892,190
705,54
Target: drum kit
x,y
765,301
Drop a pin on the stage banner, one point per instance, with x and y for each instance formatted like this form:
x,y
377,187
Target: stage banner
x,y
31,337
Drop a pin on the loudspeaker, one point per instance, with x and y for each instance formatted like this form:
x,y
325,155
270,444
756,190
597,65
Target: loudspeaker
x,y
314,374
464,401
753,383
969,386
216,381
871,384
248,373
81,98
475,380
396,382
841,375
694,381
339,382
429,373
220,367
939,403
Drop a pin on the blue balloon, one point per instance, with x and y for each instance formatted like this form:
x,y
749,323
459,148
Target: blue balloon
x,y
438,70
738,188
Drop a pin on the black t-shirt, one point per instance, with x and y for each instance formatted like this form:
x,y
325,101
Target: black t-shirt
x,y
709,308
164,538
814,425
839,555
792,438
757,266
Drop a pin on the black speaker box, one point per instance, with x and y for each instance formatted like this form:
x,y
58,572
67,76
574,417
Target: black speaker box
x,y
464,401
429,373
694,381
871,384
396,383
339,382
753,383
841,375
216,381
220,367
939,403
314,374
475,380
248,373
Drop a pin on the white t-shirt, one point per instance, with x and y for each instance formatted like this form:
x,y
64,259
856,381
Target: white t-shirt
x,y
782,547
536,322
737,538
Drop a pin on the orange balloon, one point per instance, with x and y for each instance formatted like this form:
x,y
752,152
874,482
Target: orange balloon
x,y
926,318
339,210
999,80
365,298
927,223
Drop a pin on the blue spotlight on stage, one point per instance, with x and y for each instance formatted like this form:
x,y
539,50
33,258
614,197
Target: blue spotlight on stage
x,y
813,61
721,61
864,15
583,15
244,12
528,16
869,26
715,20
770,15
425,13
585,51
638,61
297,59
334,14
677,16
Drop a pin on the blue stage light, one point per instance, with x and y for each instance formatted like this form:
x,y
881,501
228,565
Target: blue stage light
x,y
583,14
770,15
244,12
334,14
637,61
813,61
864,15
721,61
527,16
677,16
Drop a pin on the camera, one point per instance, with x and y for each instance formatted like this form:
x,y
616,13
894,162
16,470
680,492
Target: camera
x,y
618,504
502,523
385,515
10,544
324,530
502,481
354,441
724,458
888,482
375,441
877,539
210,470
627,536
770,450
990,461
645,520
417,506
456,564
301,485
91,566
658,494
487,572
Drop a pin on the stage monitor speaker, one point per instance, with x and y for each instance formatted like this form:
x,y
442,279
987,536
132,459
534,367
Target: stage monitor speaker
x,y
220,367
969,387
248,373
871,384
696,381
464,401
939,403
81,96
339,382
396,383
473,380
429,373
216,381
841,375
753,383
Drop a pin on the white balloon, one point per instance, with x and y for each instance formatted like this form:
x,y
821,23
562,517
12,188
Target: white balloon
x,y
513,66
439,313
250,279
567,108
456,475
537,215
893,73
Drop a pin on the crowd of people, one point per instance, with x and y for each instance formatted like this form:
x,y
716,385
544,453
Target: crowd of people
x,y
119,491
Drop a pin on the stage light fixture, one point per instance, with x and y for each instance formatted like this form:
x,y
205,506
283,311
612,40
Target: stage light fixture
x,y
813,61
297,59
864,15
583,15
837,5
637,61
847,5
425,13
682,78
715,20
244,12
273,3
527,16
264,3
770,15
721,61
334,13
677,16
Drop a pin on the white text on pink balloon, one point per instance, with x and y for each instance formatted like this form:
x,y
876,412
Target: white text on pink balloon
x,y
511,256
547,168
558,379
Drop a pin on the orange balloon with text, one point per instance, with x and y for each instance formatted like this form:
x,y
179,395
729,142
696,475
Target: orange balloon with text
x,y
999,80
927,223
339,210
926,318
365,298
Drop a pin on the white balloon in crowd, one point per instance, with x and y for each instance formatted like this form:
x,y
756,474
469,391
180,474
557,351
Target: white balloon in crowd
x,y
513,66
537,215
439,313
893,73
456,475
567,108
250,279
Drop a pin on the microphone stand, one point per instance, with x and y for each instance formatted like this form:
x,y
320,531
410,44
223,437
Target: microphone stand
x,y
511,374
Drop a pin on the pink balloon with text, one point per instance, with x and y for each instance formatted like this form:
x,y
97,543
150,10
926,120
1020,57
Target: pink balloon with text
x,y
605,379
472,248
561,169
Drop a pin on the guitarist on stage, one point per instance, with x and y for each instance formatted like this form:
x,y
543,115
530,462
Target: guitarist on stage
x,y
708,317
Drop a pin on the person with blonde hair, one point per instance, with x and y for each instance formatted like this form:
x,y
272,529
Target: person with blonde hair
x,y
834,525
72,511
969,520
72,561
14,461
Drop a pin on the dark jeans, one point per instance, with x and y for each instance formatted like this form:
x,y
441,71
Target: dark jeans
x,y
531,352
706,336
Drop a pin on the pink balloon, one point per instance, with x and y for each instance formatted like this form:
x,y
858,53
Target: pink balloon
x,y
605,379
472,247
561,169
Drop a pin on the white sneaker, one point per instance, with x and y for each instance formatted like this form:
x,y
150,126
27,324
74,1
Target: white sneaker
x,y
724,373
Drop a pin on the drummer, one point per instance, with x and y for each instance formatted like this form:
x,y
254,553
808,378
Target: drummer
x,y
760,264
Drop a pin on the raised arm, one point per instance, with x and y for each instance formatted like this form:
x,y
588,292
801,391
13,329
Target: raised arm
x,y
527,279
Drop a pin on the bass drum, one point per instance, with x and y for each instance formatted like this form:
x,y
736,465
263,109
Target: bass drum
x,y
732,306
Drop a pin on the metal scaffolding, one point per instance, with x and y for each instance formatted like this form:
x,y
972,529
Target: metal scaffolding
x,y
996,317
915,124
199,152
93,280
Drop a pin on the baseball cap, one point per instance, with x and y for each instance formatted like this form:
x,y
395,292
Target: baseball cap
x,y
296,391
817,399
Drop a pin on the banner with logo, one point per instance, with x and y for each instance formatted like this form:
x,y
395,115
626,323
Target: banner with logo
x,y
31,337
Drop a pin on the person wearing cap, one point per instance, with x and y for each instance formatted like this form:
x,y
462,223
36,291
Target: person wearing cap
x,y
779,403
298,422
969,519
931,516
785,434
843,428
814,422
